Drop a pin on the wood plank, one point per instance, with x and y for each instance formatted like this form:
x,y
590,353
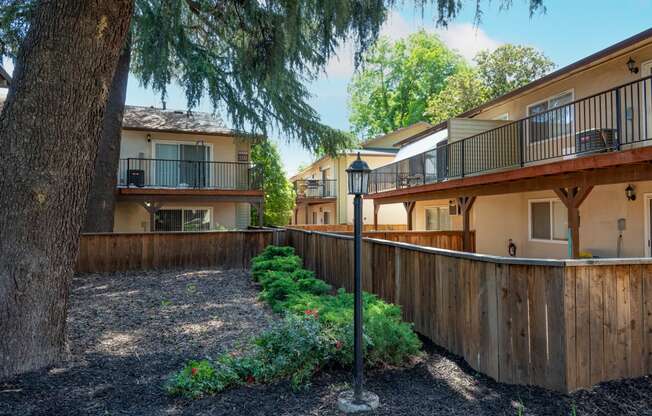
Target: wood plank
x,y
505,324
623,320
636,350
596,324
582,322
521,332
537,303
570,334
489,320
610,324
647,316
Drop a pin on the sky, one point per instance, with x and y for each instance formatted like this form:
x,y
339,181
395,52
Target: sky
x,y
567,32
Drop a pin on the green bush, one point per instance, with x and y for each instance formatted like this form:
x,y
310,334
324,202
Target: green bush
x,y
317,331
287,264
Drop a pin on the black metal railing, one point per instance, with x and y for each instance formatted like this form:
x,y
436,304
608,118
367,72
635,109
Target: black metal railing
x,y
163,173
316,188
602,122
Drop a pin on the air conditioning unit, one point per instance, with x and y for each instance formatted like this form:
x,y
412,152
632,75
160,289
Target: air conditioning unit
x,y
594,140
136,177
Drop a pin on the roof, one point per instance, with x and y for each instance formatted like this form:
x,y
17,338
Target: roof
x,y
351,152
567,70
422,145
173,121
400,132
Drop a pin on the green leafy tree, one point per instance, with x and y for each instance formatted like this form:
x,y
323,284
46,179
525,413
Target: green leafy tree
x,y
279,192
249,57
396,80
498,72
463,91
510,67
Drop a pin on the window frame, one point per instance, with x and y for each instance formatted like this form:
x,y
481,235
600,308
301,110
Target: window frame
x,y
550,202
547,100
425,215
188,208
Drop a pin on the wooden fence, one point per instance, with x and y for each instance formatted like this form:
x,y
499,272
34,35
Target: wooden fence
x,y
343,228
449,240
142,251
559,324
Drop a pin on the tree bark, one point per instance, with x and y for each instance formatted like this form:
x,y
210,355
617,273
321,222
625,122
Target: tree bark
x,y
49,132
101,196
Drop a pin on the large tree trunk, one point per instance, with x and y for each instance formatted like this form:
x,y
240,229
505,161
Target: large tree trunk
x,y
49,131
101,196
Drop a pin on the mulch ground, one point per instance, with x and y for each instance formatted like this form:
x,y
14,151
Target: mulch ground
x,y
129,331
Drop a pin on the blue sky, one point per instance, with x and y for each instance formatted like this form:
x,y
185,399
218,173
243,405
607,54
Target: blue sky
x,y
570,30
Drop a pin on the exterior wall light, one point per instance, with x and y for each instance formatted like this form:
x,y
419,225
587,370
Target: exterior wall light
x,y
630,193
631,65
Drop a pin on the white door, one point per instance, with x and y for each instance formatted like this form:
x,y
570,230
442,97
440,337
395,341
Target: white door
x,y
646,71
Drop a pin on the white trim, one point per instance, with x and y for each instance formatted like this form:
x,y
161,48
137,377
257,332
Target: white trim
x,y
529,222
189,208
503,116
647,198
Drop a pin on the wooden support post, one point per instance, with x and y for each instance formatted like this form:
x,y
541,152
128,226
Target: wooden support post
x,y
572,198
409,207
307,220
296,216
376,209
466,203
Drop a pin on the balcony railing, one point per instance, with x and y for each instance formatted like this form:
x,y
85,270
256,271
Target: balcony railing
x,y
315,188
163,173
602,122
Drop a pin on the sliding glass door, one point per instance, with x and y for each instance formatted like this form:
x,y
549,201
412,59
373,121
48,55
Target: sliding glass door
x,y
180,165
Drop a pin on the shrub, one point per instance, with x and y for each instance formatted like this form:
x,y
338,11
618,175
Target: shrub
x,y
287,264
316,331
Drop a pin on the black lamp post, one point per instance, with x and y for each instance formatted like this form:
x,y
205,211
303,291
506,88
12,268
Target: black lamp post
x,y
358,400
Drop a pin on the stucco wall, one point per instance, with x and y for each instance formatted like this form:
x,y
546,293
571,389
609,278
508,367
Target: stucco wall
x,y
498,218
225,149
131,217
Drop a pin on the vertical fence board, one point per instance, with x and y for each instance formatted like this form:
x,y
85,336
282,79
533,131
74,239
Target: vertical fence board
x,y
596,325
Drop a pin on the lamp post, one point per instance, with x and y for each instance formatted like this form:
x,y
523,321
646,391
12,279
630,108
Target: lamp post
x,y
358,400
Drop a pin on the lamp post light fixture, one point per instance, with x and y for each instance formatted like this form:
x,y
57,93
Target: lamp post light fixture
x,y
357,400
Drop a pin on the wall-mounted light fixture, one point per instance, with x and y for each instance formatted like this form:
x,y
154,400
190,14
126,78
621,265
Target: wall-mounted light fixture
x,y
630,193
149,138
631,65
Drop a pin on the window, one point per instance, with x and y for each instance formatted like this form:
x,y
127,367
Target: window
x,y
174,167
182,219
548,220
547,123
438,219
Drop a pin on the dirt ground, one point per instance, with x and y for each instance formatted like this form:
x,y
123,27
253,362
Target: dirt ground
x,y
129,331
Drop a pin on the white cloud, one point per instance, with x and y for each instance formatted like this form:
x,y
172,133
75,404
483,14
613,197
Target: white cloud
x,y
465,38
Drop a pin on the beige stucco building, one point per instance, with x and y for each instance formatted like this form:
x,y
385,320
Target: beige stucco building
x,y
558,168
322,187
183,172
